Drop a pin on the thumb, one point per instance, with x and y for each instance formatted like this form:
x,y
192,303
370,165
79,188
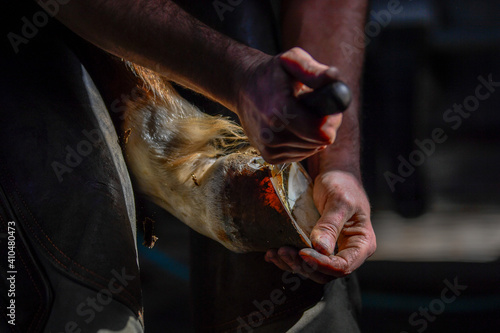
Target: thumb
x,y
300,65
326,231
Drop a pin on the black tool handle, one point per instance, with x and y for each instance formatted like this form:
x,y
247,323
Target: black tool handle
x,y
331,99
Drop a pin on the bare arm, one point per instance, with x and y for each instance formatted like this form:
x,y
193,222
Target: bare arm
x,y
159,35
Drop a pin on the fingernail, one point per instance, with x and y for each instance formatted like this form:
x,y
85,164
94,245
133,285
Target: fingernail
x,y
332,72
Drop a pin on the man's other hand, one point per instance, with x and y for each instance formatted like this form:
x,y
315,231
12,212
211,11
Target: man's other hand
x,y
345,220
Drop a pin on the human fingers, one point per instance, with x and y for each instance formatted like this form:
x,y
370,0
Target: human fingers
x,y
307,70
287,155
273,257
292,258
350,257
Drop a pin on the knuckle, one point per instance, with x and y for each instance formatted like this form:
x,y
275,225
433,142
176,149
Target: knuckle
x,y
345,205
345,269
333,71
297,50
329,228
344,199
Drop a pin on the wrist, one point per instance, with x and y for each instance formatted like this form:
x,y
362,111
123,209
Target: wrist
x,y
344,161
243,62
341,159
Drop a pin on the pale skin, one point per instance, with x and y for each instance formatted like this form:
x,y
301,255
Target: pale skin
x,y
159,35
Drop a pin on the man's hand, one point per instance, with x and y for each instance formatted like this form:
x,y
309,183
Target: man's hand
x,y
276,123
345,220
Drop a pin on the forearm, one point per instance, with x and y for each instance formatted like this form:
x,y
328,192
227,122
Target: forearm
x,y
159,35
324,28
